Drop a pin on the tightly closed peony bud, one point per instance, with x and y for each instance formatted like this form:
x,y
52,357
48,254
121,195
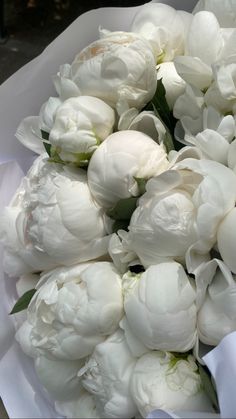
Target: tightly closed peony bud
x,y
80,125
123,156
163,381
160,308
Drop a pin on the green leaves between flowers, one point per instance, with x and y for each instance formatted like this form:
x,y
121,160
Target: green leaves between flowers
x,y
123,209
159,105
208,386
45,135
141,184
47,147
23,301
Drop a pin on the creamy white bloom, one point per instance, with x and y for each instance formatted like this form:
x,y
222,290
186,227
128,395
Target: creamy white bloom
x,y
73,310
181,208
80,125
52,220
119,69
160,380
173,83
107,376
217,314
164,27
83,406
123,156
145,121
160,318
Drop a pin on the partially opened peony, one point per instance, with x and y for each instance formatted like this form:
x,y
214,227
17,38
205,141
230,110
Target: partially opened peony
x,y
52,220
119,69
72,311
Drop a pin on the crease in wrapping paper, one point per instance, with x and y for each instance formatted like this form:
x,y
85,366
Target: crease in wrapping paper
x,y
20,96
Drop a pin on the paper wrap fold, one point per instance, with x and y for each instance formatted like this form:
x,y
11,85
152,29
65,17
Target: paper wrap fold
x,y
20,96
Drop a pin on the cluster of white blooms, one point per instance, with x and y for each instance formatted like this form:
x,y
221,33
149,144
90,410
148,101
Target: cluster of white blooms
x,y
128,247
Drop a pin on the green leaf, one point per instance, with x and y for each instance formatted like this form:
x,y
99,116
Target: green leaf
x,y
120,225
208,386
141,184
45,135
168,142
47,147
23,301
161,106
123,209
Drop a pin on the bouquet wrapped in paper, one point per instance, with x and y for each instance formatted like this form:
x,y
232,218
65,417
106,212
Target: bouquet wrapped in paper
x,y
118,192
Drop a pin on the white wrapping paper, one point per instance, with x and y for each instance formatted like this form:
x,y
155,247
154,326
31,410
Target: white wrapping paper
x,y
20,96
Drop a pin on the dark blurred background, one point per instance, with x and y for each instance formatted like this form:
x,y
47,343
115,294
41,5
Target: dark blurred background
x,y
28,26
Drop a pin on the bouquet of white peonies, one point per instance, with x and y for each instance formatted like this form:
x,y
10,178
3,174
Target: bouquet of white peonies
x,y
119,241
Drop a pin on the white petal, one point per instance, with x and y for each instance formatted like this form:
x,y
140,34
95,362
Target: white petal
x,y
28,133
205,40
194,71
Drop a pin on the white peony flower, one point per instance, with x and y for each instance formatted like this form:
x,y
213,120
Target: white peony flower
x,y
181,208
80,125
164,27
160,308
119,69
52,220
107,376
120,158
73,310
173,83
162,381
217,314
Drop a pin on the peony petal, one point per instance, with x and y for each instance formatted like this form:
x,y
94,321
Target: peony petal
x,y
194,71
28,133
205,40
